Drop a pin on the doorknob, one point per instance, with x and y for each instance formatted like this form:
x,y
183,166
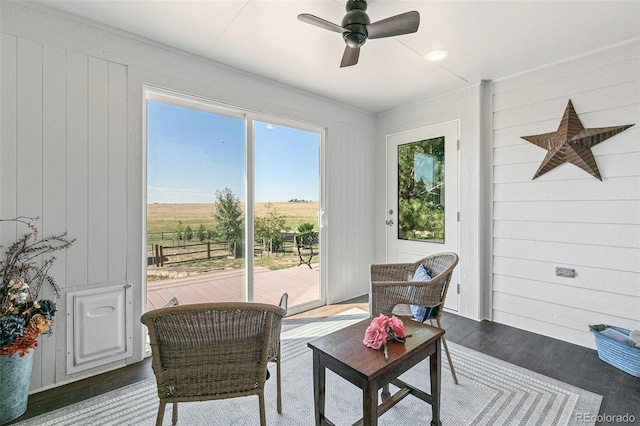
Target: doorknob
x,y
389,222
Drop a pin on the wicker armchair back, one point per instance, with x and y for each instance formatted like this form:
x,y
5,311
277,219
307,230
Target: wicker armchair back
x,y
212,351
391,285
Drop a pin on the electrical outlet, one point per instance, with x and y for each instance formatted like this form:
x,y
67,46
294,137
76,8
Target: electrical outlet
x,y
565,272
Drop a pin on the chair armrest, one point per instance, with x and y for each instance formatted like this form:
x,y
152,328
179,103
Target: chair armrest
x,y
283,302
172,302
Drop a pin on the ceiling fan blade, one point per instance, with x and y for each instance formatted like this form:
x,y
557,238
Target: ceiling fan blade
x,y
319,22
405,23
350,56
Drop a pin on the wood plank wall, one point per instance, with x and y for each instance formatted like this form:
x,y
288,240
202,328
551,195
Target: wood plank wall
x,y
566,217
63,159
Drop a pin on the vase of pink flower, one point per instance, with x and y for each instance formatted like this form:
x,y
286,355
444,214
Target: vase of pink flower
x,y
382,330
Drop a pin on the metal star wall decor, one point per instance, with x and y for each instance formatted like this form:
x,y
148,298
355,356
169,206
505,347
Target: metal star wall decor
x,y
572,143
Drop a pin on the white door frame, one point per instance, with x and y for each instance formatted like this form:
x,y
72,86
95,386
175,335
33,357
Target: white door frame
x,y
409,251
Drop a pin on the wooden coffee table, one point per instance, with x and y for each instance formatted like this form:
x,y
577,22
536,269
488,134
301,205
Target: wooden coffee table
x,y
344,353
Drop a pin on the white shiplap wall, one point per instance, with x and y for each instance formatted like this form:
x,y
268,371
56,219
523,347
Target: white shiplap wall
x,y
566,217
63,160
349,190
71,151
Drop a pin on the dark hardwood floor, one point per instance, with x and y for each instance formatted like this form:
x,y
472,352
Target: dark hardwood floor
x,y
569,363
563,361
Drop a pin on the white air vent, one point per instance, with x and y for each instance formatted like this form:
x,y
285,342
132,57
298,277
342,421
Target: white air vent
x,y
99,327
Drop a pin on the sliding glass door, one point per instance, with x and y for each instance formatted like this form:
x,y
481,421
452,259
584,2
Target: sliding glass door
x,y
287,203
232,205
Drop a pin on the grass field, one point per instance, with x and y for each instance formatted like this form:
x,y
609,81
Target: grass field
x,y
166,217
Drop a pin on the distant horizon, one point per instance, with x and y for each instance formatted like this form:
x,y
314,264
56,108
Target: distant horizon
x,y
241,202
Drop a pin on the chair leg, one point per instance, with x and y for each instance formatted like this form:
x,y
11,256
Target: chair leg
x,y
263,416
279,383
174,415
386,394
160,414
446,351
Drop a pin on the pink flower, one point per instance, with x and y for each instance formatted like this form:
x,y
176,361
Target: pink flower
x,y
381,321
397,327
383,328
375,337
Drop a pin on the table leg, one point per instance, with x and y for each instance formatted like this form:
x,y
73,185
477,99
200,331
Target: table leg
x,y
370,404
319,378
434,371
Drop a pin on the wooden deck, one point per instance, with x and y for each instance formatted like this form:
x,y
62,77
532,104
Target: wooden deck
x,y
301,284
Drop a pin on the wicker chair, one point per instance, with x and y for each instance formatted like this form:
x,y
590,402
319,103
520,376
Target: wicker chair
x,y
391,285
211,351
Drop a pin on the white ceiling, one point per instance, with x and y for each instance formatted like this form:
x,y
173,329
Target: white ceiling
x,y
487,40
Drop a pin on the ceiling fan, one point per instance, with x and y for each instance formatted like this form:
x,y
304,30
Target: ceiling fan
x,y
356,28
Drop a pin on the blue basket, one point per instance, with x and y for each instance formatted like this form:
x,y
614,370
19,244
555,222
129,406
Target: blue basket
x,y
618,354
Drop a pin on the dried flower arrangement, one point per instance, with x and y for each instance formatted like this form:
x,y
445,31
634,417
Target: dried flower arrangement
x,y
23,271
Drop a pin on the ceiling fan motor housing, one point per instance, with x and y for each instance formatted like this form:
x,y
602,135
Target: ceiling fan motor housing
x,y
356,25
355,22
356,36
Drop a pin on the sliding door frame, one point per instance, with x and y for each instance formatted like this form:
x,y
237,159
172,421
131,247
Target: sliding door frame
x,y
152,93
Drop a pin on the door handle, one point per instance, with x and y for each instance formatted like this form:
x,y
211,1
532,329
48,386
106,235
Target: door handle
x,y
389,222
322,219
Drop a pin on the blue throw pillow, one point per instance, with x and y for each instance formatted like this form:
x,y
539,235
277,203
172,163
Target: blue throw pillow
x,y
422,313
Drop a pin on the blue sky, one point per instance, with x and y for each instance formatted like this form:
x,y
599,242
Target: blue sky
x,y
191,154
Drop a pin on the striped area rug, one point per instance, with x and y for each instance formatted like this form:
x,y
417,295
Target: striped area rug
x,y
491,392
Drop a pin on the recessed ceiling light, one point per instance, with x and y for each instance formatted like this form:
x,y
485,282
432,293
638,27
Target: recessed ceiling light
x,y
437,55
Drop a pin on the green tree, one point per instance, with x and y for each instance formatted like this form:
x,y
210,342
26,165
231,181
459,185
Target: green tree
x,y
201,233
420,220
270,227
188,233
229,221
306,227
179,231
420,184
304,230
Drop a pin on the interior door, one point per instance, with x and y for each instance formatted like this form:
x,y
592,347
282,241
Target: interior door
x,y
422,196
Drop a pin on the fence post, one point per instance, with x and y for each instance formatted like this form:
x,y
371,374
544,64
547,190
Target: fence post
x,y
157,255
161,257
208,249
